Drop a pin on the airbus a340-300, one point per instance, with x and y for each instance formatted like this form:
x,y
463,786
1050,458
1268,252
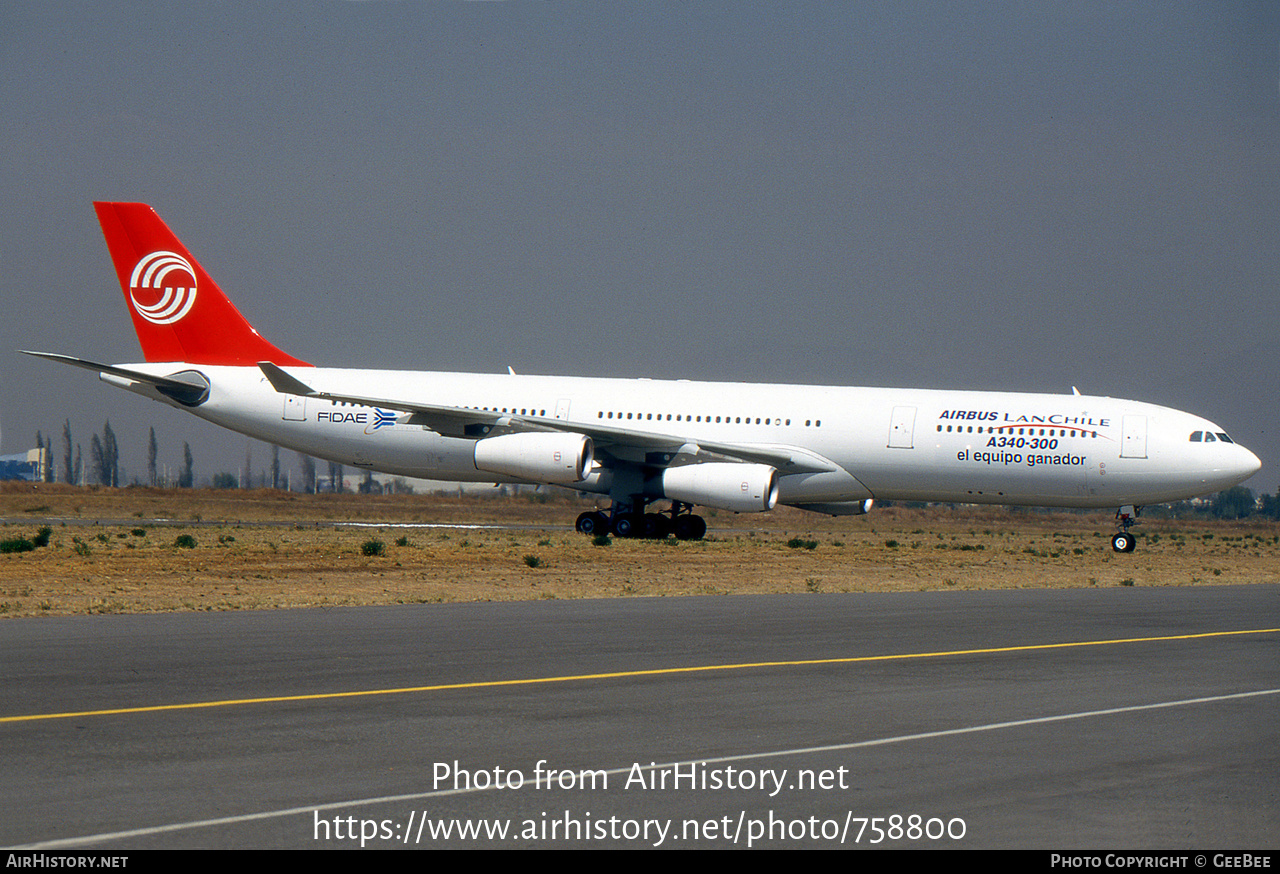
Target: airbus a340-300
x,y
743,447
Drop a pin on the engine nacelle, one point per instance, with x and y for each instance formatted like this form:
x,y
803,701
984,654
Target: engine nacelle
x,y
742,488
563,459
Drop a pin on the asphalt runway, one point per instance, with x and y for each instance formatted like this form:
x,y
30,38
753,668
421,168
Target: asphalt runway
x,y
1080,719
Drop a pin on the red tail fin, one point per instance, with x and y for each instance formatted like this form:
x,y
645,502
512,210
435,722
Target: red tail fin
x,y
179,312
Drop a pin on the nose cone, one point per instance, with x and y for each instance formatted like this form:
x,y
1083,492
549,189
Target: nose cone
x,y
1247,464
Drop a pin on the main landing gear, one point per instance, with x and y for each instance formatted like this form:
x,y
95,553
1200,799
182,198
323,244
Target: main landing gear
x,y
1126,517
629,520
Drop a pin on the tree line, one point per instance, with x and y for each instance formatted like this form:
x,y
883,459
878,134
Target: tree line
x,y
103,467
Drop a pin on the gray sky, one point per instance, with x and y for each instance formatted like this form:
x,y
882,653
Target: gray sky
x,y
1023,196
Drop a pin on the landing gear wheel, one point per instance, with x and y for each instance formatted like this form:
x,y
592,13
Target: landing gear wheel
x,y
690,527
656,526
629,525
1123,542
592,523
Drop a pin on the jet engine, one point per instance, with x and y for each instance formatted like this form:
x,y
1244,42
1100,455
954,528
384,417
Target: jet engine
x,y
742,488
563,459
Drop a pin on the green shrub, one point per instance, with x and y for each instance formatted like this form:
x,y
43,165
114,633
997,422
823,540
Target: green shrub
x,y
185,541
16,544
533,561
373,547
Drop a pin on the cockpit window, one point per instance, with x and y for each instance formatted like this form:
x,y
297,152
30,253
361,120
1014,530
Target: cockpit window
x,y
1208,437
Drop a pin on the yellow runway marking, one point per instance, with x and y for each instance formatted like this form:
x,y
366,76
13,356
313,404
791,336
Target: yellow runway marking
x,y
653,672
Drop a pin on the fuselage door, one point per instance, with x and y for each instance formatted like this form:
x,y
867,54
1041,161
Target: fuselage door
x,y
562,408
1133,438
295,408
902,428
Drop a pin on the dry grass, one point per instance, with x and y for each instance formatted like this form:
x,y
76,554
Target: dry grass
x,y
262,549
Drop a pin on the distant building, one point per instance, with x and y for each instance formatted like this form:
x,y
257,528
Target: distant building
x,y
27,465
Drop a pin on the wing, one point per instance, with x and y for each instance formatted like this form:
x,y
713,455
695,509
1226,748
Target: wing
x,y
624,445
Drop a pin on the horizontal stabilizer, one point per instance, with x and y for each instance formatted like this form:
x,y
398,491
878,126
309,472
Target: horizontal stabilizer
x,y
188,388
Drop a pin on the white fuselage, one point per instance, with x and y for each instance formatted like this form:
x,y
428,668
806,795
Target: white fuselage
x,y
886,444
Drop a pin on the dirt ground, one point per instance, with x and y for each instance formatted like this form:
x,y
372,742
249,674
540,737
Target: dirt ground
x,y
118,551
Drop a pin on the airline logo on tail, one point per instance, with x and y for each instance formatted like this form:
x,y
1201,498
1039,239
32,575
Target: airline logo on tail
x,y
162,287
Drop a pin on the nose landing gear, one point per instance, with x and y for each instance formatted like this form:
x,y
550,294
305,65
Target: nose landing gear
x,y
1126,517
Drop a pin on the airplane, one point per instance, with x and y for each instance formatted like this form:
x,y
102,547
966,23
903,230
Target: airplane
x,y
734,446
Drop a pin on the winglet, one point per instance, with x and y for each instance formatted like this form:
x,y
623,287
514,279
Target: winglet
x,y
283,382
